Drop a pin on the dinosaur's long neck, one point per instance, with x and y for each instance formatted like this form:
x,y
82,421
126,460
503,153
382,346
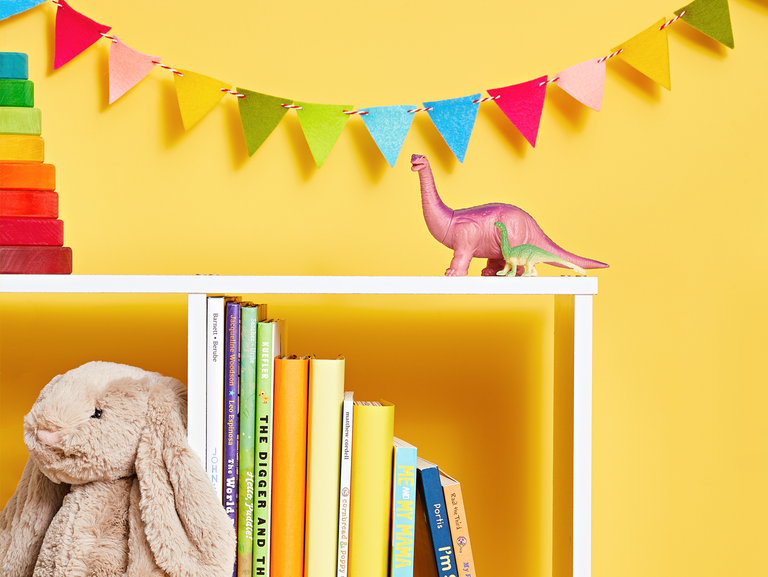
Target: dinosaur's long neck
x,y
437,216
505,248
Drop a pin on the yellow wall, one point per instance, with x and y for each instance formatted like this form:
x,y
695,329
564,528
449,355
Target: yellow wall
x,y
667,187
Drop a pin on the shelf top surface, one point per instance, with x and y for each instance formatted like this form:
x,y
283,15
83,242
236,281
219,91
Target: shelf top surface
x,y
214,284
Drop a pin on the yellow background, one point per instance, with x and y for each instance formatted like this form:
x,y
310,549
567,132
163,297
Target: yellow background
x,y
667,187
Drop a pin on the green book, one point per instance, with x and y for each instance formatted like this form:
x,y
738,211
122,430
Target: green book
x,y
269,344
251,315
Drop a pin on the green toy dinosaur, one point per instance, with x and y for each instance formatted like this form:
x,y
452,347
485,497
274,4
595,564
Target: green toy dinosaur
x,y
527,256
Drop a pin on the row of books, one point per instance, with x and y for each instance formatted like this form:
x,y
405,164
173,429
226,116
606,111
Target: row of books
x,y
315,482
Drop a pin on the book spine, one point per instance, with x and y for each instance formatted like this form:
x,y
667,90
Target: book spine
x,y
345,483
246,482
215,393
403,512
437,517
264,393
462,547
231,416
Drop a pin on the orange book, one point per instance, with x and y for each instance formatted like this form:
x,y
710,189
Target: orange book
x,y
289,466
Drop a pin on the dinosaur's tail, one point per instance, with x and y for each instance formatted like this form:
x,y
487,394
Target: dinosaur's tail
x,y
549,245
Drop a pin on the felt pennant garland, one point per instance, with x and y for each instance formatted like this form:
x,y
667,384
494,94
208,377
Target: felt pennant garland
x,y
523,104
259,114
9,8
74,33
127,67
648,52
454,120
322,125
388,126
197,95
712,17
585,82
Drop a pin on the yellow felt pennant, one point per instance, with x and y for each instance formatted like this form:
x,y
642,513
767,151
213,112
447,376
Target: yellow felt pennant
x,y
648,52
197,95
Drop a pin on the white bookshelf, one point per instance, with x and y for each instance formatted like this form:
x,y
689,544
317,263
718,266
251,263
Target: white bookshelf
x,y
573,298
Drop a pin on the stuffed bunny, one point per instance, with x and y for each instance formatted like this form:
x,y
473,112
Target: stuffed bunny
x,y
111,487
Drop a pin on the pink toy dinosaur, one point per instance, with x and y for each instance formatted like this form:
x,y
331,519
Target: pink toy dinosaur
x,y
471,232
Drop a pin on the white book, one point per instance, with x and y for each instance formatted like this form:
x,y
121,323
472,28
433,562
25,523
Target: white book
x,y
345,483
214,367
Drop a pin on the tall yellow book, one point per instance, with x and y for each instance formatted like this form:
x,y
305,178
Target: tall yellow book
x,y
372,454
326,396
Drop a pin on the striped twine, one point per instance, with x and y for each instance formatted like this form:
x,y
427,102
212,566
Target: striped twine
x,y
167,68
292,106
604,58
488,99
360,112
419,110
232,92
675,19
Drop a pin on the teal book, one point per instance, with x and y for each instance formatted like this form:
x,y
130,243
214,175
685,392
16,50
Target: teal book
x,y
250,316
403,509
269,344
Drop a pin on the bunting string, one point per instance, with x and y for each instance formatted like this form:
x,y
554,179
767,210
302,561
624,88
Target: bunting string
x,y
454,119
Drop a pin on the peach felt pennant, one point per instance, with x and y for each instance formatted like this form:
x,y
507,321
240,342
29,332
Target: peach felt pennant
x,y
712,17
259,115
127,67
523,104
197,95
322,125
585,82
74,33
648,52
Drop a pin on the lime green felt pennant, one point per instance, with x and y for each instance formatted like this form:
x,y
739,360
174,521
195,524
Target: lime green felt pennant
x,y
648,52
712,17
197,95
259,114
322,125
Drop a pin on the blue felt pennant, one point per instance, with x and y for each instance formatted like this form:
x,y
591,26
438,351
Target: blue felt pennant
x,y
388,126
10,7
455,119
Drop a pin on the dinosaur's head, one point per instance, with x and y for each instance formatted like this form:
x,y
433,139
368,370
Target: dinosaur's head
x,y
501,225
419,162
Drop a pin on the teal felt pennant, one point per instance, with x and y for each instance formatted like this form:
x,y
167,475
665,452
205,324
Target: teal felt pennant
x,y
455,119
322,125
388,126
10,7
259,114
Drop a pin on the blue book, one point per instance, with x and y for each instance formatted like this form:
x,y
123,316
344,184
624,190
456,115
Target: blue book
x,y
434,549
403,509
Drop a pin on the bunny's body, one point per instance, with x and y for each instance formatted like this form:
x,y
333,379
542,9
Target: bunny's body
x,y
111,487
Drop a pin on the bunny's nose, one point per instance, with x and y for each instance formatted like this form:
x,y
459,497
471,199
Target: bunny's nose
x,y
49,438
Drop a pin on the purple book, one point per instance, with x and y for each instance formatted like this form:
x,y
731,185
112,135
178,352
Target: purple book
x,y
231,403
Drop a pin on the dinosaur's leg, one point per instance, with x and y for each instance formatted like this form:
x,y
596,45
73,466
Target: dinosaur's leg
x,y
530,270
494,267
504,271
460,263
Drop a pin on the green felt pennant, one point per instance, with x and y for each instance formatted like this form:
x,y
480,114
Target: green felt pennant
x,y
712,17
322,125
259,114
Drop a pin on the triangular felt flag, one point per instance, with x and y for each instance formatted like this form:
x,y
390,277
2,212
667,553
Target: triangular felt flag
x,y
712,17
10,7
74,33
585,82
259,114
127,67
197,94
388,126
322,125
648,52
523,103
454,120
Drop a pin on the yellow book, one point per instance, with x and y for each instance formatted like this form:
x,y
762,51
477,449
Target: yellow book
x,y
326,396
372,452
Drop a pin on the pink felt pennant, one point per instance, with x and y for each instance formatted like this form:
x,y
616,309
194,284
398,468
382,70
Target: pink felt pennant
x,y
127,67
74,33
523,104
585,82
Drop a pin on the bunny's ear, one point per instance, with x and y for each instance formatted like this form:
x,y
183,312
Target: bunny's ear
x,y
186,527
26,518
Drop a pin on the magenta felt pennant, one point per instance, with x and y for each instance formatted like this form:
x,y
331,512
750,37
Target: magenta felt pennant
x,y
74,33
585,82
127,67
523,104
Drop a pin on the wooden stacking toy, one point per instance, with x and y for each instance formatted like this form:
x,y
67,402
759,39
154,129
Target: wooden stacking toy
x,y
31,234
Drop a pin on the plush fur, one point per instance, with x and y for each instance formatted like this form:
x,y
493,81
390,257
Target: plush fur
x,y
111,487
